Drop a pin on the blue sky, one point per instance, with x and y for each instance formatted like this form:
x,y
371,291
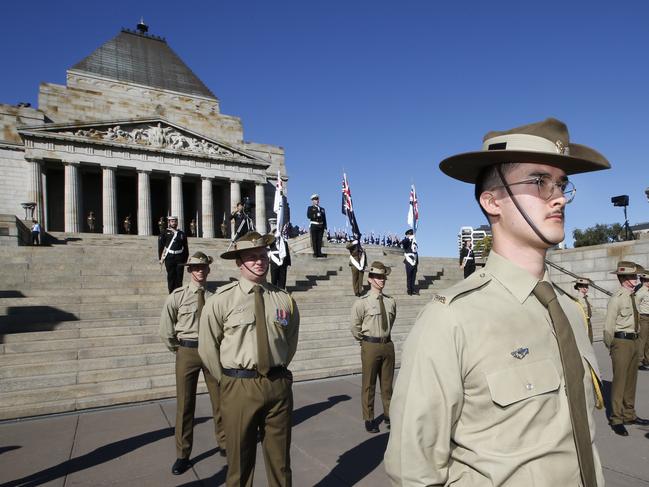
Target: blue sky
x,y
385,89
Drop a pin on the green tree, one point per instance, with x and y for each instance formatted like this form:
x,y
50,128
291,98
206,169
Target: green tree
x,y
599,234
483,246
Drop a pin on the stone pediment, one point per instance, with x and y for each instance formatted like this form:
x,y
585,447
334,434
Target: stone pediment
x,y
146,134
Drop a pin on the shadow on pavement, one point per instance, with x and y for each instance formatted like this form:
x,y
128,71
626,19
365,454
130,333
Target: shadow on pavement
x,y
306,412
4,449
99,455
217,479
355,464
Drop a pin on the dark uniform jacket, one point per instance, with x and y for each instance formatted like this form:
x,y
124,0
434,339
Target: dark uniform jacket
x,y
406,243
275,248
180,243
317,214
239,216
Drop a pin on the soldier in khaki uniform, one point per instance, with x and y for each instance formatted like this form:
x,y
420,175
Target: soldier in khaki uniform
x,y
357,264
498,379
179,331
248,336
373,316
581,286
642,299
620,336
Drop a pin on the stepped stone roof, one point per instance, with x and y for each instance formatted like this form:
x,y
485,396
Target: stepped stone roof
x,y
136,57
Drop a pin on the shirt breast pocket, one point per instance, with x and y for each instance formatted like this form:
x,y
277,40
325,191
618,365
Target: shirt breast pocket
x,y
516,384
626,312
239,321
188,309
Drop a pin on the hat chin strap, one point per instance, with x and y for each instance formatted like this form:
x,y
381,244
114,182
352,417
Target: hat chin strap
x,y
253,272
522,211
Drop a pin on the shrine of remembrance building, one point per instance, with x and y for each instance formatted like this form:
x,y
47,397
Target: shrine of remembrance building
x,y
133,133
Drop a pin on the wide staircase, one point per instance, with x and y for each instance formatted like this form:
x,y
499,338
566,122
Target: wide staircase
x,y
79,319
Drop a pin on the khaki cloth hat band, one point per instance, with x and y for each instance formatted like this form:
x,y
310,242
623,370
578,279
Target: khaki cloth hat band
x,y
525,142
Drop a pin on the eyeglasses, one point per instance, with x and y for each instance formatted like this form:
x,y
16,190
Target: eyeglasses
x,y
546,187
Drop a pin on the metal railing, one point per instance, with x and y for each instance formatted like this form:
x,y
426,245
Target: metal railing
x,y
572,274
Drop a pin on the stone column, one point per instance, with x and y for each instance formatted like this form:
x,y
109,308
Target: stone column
x,y
71,197
177,208
225,217
143,203
260,209
35,192
207,205
44,197
235,197
109,201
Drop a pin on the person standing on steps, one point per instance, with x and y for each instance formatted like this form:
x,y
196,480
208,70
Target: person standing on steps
x,y
247,339
179,331
373,316
317,224
173,252
411,261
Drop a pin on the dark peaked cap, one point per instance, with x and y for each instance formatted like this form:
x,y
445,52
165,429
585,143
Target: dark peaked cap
x,y
546,142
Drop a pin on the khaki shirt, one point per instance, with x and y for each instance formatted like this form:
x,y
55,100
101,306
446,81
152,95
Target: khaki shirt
x,y
366,316
588,310
228,338
178,319
619,315
642,300
480,398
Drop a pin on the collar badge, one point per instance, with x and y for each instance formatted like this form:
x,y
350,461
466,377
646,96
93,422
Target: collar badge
x,y
520,353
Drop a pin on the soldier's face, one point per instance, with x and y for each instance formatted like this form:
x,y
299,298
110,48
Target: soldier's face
x,y
583,290
547,215
173,223
253,264
199,273
376,282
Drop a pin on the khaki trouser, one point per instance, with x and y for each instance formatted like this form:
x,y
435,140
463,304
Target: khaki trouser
x,y
188,367
357,281
624,355
261,404
378,361
643,341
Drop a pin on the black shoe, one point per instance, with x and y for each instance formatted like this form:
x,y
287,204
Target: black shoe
x,y
619,429
180,466
371,427
643,367
387,422
639,421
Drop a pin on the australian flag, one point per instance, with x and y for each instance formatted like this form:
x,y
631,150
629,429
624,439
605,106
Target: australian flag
x,y
348,209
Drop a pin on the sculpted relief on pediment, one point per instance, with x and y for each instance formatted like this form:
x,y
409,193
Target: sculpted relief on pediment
x,y
158,136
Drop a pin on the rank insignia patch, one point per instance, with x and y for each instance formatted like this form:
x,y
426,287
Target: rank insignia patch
x,y
282,317
520,353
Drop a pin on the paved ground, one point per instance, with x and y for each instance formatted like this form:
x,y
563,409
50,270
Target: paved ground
x,y
134,446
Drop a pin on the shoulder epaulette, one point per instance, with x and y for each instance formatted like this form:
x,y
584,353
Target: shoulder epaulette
x,y
471,283
226,287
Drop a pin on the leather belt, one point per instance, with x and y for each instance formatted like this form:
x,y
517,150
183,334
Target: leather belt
x,y
252,374
188,343
625,335
377,339
645,315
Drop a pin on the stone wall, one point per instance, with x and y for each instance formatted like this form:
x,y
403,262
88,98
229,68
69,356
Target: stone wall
x,y
13,116
596,262
14,175
88,99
